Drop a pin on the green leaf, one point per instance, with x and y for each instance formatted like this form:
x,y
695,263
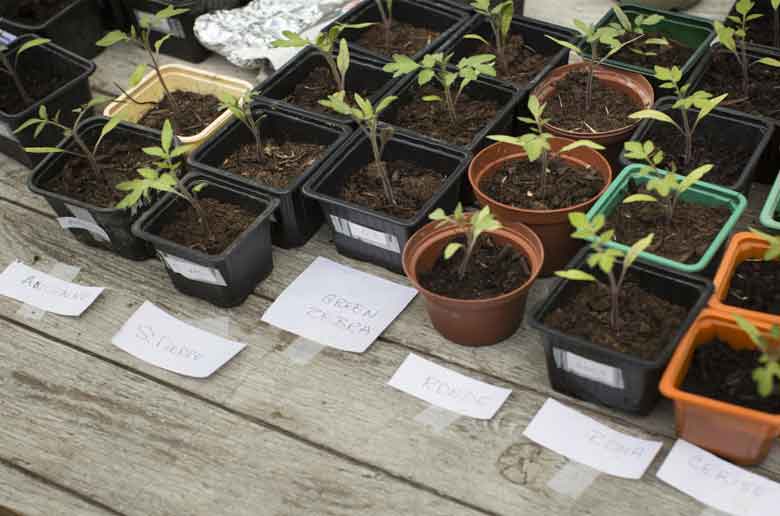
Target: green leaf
x,y
451,249
108,127
137,75
773,251
749,329
636,249
160,42
166,137
112,38
157,152
32,44
653,115
342,61
384,104
43,150
431,98
653,19
566,44
622,18
581,143
503,138
639,198
437,214
181,150
692,177
769,61
293,40
169,12
401,65
26,124
477,37
725,36
575,275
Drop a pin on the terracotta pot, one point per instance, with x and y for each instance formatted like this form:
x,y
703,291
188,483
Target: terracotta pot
x,y
741,435
479,322
552,226
743,246
634,84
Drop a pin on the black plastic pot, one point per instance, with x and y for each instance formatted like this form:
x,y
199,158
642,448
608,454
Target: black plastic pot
x,y
76,27
729,128
97,226
69,96
114,14
760,32
298,217
183,43
365,74
449,22
226,279
585,370
369,235
533,32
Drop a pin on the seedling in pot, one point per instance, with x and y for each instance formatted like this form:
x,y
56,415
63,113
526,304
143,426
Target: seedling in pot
x,y
684,101
367,118
241,108
604,258
537,143
500,19
638,27
735,40
473,228
768,372
385,8
11,68
773,252
437,66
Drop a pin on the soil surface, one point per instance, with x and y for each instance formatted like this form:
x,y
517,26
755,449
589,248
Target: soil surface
x,y
433,118
405,39
762,29
318,85
646,322
120,156
609,108
685,239
721,373
756,286
724,76
196,112
412,186
39,81
519,185
33,12
182,225
492,271
523,61
675,53
281,164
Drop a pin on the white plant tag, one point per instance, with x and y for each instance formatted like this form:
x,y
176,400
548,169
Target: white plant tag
x,y
46,292
585,440
193,271
586,368
6,132
160,339
169,26
366,235
448,389
83,219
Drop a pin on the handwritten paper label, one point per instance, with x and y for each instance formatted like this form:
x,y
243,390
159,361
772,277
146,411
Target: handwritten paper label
x,y
586,368
338,306
193,271
156,337
447,389
718,483
167,26
585,440
45,292
366,235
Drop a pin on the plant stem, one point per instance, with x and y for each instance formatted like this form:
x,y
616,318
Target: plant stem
x,y
155,65
614,295
745,68
503,63
543,186
201,213
334,70
688,135
776,27
450,103
387,21
594,52
373,136
464,263
17,80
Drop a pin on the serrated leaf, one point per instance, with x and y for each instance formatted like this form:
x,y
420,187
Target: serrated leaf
x,y
112,38
636,249
575,275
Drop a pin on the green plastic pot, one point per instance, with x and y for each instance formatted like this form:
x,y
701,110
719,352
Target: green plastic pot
x,y
704,193
769,213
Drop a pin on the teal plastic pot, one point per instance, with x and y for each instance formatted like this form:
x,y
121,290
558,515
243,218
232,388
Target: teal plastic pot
x,y
769,215
704,193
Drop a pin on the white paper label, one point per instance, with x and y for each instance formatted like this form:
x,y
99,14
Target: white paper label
x,y
585,440
447,389
338,306
366,235
45,292
718,483
156,337
83,219
169,26
193,271
6,38
589,369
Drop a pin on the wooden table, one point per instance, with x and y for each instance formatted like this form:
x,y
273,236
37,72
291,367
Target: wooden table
x,y
86,429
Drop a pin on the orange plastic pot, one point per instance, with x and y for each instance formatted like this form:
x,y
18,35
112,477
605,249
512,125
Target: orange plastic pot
x,y
479,322
741,435
552,226
743,246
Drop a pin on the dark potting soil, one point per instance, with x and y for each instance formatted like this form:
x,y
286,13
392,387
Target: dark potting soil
x,y
685,239
724,76
412,186
405,39
39,81
646,322
675,53
318,85
721,373
33,12
720,148
492,271
196,112
755,285
519,185
609,108
523,61
281,164
227,221
119,155
433,118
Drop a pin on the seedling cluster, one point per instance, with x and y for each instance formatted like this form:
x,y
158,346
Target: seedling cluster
x,y
768,372
500,19
241,108
638,27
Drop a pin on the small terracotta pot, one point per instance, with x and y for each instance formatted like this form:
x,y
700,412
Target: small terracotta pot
x,y
743,246
552,226
479,322
741,435
634,84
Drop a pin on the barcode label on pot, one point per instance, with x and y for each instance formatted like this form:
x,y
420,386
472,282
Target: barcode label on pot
x,y
366,235
169,26
589,369
193,271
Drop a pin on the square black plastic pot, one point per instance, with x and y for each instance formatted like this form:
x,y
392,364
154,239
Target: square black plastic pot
x,y
245,263
732,127
69,96
765,9
76,27
365,74
373,236
533,32
298,217
114,222
183,43
588,371
503,122
449,22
